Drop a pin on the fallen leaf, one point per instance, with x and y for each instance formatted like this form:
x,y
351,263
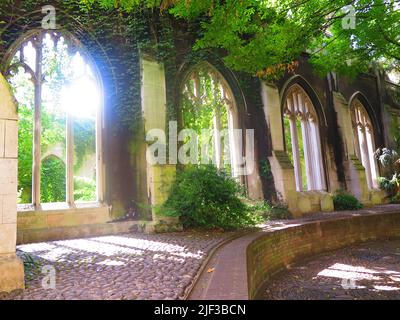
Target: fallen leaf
x,y
210,270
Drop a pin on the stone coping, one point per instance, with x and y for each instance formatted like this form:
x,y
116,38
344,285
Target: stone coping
x,y
238,270
82,231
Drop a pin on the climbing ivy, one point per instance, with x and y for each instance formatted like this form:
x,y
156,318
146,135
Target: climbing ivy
x,y
115,35
113,38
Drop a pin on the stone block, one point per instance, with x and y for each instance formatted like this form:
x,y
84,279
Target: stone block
x,y
2,135
153,94
326,202
9,206
167,224
8,237
377,197
11,273
8,108
315,200
162,178
31,220
8,169
55,220
272,110
11,139
62,218
149,228
304,203
8,187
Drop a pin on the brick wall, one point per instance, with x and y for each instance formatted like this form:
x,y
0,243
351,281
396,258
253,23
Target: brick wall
x,y
274,251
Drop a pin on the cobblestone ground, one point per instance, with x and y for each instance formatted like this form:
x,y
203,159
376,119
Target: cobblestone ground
x,y
362,272
132,266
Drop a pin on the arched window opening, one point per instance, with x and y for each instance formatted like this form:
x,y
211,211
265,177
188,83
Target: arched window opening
x,y
364,142
59,108
208,108
302,140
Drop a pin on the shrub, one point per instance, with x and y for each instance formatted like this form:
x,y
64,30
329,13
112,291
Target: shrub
x,y
346,201
203,196
269,211
390,182
278,211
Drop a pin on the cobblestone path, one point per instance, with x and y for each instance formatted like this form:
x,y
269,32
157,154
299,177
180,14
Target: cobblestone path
x,y
130,266
360,272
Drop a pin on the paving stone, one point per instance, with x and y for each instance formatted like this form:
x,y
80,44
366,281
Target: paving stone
x,y
127,266
372,271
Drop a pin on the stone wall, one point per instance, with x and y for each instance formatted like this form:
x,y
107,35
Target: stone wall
x,y
11,269
45,225
331,97
276,250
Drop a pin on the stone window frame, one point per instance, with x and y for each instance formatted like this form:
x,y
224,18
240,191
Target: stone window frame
x,y
35,37
233,116
299,107
364,141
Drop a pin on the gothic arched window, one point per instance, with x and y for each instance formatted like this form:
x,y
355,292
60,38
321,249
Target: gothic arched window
x,y
364,142
302,140
207,103
59,109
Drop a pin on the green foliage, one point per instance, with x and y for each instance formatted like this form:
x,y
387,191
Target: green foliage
x,y
265,169
200,109
346,201
265,37
32,267
53,186
203,196
85,140
278,211
390,181
85,189
270,211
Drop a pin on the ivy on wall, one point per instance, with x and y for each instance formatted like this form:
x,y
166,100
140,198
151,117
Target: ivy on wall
x,y
115,38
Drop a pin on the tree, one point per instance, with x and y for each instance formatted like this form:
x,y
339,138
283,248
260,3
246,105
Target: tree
x,y
265,37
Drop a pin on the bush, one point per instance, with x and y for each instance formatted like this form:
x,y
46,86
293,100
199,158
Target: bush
x,y
269,211
203,196
278,212
346,201
390,182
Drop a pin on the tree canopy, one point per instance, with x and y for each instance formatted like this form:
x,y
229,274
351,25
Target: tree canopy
x,y
265,37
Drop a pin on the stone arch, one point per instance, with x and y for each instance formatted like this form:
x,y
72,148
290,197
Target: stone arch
x,y
301,126
255,186
378,136
313,96
213,61
364,140
74,46
236,111
11,269
102,61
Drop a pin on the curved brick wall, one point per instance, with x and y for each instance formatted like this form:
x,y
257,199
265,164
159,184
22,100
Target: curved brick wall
x,y
275,249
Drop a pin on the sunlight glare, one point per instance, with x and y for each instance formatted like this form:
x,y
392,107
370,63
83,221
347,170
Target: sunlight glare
x,y
81,98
